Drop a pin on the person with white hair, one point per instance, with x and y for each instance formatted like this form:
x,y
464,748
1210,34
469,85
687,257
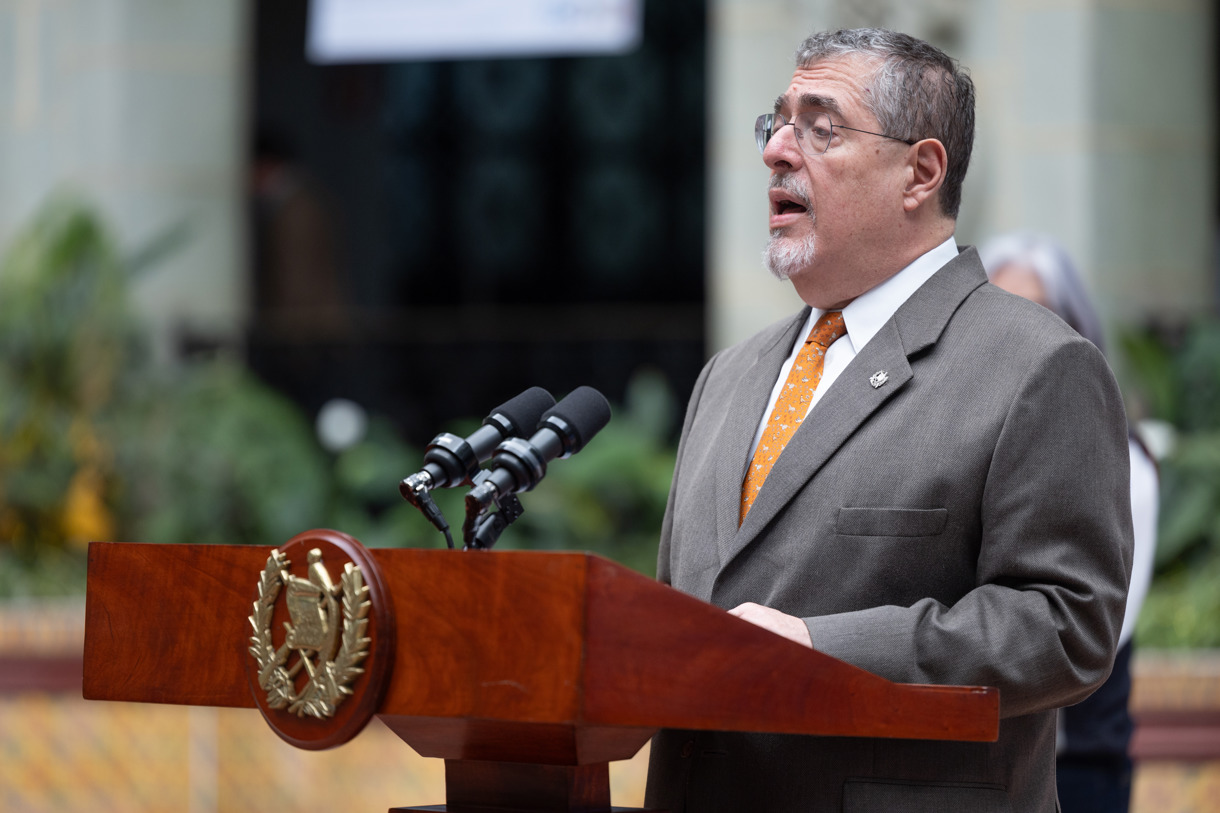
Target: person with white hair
x,y
1093,766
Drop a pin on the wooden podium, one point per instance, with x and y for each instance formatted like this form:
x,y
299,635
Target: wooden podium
x,y
526,672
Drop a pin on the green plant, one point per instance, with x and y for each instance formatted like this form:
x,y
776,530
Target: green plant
x,y
99,443
1175,378
65,333
207,454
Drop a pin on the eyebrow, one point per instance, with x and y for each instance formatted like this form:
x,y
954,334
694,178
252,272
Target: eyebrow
x,y
808,100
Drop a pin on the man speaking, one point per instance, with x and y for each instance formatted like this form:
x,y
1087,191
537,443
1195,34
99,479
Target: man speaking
x,y
918,474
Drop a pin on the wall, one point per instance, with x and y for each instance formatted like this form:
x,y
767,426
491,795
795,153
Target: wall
x,y
138,105
1095,121
1094,124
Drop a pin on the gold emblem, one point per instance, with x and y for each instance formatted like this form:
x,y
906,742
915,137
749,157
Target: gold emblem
x,y
326,634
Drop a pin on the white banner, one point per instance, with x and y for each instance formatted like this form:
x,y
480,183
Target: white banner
x,y
396,30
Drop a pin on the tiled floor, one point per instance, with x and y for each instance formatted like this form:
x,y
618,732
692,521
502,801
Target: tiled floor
x,y
1170,787
60,754
1176,682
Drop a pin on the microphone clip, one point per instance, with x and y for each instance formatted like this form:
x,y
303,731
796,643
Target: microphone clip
x,y
414,490
481,530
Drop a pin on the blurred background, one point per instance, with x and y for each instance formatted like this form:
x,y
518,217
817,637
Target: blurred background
x,y
254,255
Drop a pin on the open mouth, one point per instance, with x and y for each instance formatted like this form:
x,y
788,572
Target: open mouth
x,y
787,202
788,207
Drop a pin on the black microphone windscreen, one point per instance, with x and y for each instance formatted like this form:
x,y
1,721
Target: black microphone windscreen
x,y
586,411
525,410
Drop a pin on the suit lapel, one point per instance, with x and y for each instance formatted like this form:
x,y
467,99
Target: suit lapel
x,y
849,402
744,414
845,406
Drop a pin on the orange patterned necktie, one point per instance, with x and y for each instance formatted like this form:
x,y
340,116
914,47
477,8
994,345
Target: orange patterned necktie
x,y
792,404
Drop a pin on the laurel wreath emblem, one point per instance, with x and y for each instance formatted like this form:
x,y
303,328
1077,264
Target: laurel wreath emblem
x,y
332,675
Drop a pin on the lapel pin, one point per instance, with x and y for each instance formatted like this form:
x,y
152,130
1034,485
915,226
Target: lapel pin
x,y
879,378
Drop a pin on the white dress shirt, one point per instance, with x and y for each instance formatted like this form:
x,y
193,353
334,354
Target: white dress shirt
x,y
1144,499
863,317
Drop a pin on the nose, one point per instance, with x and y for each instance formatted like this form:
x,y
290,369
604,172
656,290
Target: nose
x,y
782,153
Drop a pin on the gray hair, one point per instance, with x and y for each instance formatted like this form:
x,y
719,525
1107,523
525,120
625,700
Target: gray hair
x,y
1048,260
918,92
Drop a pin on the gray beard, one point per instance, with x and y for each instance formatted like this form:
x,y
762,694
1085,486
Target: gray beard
x,y
785,257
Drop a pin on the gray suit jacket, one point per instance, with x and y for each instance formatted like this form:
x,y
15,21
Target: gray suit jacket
x,y
966,522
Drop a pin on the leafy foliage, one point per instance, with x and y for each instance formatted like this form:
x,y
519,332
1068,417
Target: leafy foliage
x,y
99,443
1176,379
208,455
96,442
64,335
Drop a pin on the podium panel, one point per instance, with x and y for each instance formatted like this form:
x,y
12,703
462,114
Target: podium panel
x,y
526,672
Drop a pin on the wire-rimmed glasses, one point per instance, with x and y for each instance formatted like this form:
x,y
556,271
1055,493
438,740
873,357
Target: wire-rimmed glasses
x,y
813,131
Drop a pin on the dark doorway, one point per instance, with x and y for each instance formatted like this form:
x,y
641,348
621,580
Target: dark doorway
x,y
466,229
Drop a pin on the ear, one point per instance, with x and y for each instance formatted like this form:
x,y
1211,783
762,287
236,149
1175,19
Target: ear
x,y
927,164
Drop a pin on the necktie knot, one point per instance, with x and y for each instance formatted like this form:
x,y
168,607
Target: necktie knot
x,y
828,329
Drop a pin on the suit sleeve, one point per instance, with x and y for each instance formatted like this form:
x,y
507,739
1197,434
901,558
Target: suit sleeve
x,y
664,574
1054,556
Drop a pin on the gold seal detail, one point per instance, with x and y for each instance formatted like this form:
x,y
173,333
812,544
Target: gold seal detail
x,y
329,655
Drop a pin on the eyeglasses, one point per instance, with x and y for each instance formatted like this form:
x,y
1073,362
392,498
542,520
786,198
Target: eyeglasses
x,y
813,131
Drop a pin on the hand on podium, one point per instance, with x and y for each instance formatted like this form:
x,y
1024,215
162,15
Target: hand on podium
x,y
789,626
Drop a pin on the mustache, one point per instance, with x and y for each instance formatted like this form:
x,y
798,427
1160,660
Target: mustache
x,y
789,183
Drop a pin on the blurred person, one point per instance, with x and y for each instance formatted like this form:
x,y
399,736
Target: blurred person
x,y
1093,768
297,280
918,473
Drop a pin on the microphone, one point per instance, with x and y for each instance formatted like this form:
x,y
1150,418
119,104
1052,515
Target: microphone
x,y
450,461
518,464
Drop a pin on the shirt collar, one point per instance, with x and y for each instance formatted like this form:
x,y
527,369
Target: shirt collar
x,y
867,313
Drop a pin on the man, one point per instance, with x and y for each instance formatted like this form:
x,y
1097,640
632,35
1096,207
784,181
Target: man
x,y
938,494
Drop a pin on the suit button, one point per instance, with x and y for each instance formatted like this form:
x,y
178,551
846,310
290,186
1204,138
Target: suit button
x,y
688,749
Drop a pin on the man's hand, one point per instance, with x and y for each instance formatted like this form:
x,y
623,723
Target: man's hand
x,y
789,626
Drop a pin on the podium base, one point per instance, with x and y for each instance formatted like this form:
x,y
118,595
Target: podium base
x,y
473,786
464,809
